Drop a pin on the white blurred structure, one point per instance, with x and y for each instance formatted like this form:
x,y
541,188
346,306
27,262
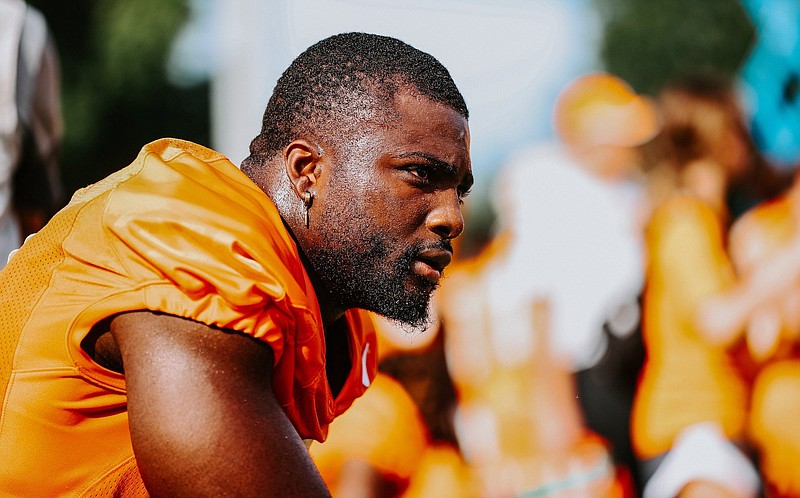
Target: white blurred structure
x,y
30,109
509,58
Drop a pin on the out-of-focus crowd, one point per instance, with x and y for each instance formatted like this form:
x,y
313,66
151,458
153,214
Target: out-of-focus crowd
x,y
630,329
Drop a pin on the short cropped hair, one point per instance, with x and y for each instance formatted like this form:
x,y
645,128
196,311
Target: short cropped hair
x,y
344,78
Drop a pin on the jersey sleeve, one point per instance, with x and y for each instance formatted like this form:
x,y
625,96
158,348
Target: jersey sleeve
x,y
182,231
188,234
201,246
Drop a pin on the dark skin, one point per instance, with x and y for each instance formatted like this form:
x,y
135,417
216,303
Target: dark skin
x,y
418,172
203,415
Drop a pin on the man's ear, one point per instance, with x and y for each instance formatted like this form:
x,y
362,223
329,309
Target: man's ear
x,y
303,160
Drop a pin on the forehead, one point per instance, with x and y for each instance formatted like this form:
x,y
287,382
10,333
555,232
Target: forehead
x,y
429,127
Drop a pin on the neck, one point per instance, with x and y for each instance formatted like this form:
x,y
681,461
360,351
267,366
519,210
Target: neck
x,y
330,311
706,179
329,307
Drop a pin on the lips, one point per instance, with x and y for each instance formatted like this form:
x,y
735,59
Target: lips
x,y
431,263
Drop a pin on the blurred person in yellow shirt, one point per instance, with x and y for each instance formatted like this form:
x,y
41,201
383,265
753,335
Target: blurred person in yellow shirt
x,y
689,415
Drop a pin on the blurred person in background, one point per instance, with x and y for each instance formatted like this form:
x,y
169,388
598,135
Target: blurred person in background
x,y
419,363
602,124
571,213
30,124
518,423
525,317
689,414
762,313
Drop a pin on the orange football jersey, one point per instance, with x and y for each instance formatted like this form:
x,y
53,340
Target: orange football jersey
x,y
180,231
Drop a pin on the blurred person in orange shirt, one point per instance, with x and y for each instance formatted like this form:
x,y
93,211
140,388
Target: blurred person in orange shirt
x,y
689,415
518,423
763,311
374,448
419,363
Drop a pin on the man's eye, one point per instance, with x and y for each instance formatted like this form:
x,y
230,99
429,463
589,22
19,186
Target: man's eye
x,y
421,172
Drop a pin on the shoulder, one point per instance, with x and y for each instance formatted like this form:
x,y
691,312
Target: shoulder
x,y
181,206
683,226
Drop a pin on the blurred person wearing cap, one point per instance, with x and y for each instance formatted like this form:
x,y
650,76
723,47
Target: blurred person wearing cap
x,y
573,210
762,312
601,121
689,414
527,314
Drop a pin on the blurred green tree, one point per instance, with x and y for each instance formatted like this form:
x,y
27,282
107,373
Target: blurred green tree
x,y
115,93
650,42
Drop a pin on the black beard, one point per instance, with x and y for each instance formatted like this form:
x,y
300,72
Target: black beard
x,y
369,280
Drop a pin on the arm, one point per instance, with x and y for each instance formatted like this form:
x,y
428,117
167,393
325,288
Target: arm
x,y
203,416
728,313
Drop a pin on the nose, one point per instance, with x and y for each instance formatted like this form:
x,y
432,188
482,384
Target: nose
x,y
446,219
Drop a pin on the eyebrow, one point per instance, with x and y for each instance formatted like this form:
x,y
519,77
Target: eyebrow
x,y
448,168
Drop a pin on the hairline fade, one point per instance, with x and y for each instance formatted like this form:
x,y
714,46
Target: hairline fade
x,y
345,80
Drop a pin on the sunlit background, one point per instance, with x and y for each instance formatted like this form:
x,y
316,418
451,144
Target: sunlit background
x,y
134,71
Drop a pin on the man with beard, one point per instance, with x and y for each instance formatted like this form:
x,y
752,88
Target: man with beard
x,y
183,325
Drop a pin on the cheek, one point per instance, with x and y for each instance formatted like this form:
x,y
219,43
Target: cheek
x,y
348,217
406,215
400,209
